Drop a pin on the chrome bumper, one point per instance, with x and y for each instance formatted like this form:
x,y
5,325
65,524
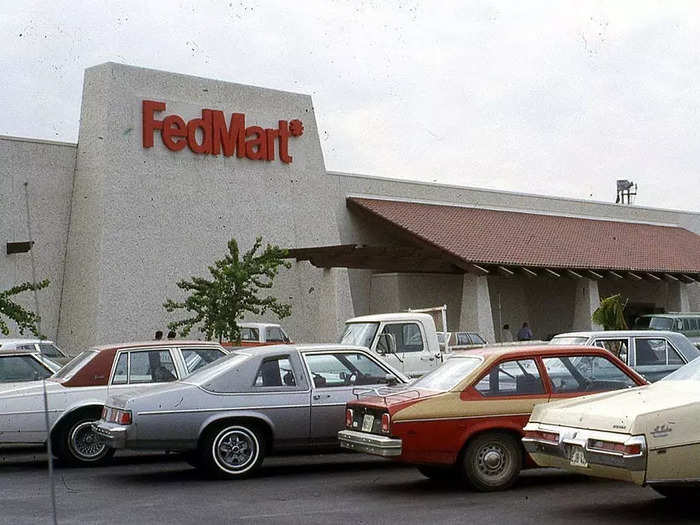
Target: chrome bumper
x,y
111,433
369,443
616,465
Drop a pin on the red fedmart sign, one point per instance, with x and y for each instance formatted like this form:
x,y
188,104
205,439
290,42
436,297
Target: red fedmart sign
x,y
218,136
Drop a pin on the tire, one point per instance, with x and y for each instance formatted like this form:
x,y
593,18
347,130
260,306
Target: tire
x,y
437,473
232,450
677,492
76,444
492,461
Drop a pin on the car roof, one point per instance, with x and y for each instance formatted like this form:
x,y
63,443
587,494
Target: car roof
x,y
160,343
399,316
19,352
673,314
23,341
258,325
286,348
619,333
525,350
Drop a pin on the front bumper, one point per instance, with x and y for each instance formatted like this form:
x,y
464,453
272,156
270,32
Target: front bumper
x,y
111,433
369,443
593,462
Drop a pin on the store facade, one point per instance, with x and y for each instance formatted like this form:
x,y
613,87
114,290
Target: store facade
x,y
169,167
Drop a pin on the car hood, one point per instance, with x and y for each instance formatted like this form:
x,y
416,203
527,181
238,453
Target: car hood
x,y
617,411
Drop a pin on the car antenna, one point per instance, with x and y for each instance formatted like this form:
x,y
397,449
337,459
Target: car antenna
x,y
42,352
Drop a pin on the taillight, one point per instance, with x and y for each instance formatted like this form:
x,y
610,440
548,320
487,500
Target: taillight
x,y
348,417
124,417
540,435
386,423
629,449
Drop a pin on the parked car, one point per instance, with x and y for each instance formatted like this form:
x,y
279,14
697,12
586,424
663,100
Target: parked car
x,y
408,341
19,366
229,415
44,347
466,418
76,394
652,354
647,435
686,323
258,334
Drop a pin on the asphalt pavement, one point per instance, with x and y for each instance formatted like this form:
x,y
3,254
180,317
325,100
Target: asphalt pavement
x,y
306,489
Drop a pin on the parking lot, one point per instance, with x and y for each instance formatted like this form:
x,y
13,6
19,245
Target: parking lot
x,y
319,488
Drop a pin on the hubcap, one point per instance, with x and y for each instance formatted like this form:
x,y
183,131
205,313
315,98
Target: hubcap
x,y
85,444
492,459
236,449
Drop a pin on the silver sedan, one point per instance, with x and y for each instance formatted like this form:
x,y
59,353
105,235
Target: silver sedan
x,y
227,416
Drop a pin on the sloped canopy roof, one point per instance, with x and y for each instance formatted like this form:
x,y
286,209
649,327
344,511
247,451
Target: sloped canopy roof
x,y
492,237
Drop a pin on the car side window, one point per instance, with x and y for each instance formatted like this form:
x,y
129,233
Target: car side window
x,y
273,334
584,374
121,370
21,368
250,334
407,335
511,378
151,366
196,358
463,339
656,351
30,348
477,339
617,347
344,369
276,371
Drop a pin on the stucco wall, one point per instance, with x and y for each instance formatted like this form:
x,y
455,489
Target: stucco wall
x,y
48,169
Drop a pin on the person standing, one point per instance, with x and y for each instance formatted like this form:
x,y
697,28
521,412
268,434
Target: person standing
x,y
524,334
506,334
159,335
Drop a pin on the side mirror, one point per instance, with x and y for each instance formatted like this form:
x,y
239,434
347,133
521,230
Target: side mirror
x,y
391,379
386,344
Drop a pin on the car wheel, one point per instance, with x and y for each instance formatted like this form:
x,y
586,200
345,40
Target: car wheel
x,y
437,473
677,492
492,461
232,450
77,444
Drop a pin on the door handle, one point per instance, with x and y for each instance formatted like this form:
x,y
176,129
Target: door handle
x,y
316,397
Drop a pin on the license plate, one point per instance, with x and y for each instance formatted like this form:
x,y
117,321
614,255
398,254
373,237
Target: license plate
x,y
367,423
577,456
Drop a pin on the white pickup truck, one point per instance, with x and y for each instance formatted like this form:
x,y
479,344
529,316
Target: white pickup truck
x,y
407,341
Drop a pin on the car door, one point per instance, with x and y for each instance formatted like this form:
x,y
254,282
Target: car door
x,y
655,357
412,355
334,376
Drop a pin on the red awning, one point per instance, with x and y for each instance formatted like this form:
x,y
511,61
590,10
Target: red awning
x,y
491,237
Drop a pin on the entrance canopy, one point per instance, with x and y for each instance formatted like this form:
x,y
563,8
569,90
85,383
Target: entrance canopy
x,y
455,239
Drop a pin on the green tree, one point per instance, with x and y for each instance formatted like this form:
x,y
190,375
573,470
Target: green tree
x,y
218,304
23,318
610,313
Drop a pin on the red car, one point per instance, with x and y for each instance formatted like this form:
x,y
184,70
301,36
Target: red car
x,y
466,418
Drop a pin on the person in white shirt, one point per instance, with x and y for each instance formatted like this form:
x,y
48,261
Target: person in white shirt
x,y
506,335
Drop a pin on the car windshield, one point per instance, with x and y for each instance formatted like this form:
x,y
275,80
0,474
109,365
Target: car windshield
x,y
568,340
359,334
75,364
689,372
447,376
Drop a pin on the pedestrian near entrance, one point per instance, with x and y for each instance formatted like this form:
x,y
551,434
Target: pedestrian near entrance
x,y
506,334
159,335
524,334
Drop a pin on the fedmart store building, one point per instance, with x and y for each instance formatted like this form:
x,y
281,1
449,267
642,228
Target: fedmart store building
x,y
169,167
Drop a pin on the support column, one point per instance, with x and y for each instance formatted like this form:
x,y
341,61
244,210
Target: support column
x,y
334,306
677,298
586,302
475,313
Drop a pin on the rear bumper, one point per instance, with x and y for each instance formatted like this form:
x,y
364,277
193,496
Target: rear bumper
x,y
111,433
612,465
369,443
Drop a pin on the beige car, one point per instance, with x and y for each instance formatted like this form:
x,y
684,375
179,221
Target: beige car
x,y
649,435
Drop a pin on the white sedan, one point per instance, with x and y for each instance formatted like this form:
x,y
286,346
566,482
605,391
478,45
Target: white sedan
x,y
77,393
648,435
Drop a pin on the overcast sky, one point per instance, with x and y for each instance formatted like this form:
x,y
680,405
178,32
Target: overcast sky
x,y
558,98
